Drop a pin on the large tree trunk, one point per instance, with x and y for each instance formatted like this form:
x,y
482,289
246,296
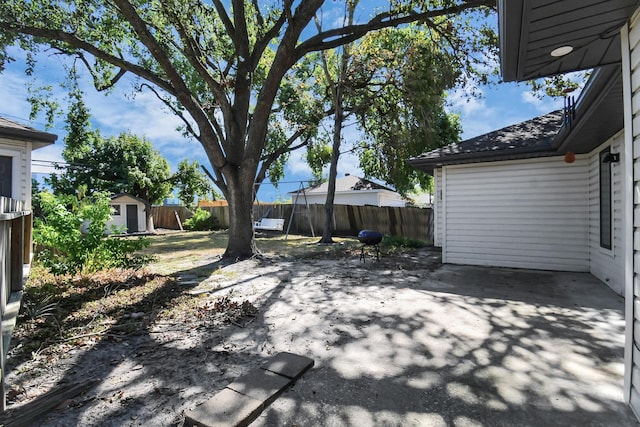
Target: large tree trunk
x,y
148,213
241,243
327,230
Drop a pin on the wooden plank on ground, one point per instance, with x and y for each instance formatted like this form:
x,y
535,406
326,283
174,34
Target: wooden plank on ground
x,y
32,411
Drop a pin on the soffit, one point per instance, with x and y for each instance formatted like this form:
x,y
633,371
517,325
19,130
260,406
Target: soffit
x,y
531,29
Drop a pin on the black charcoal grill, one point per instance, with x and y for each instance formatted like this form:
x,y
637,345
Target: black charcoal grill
x,y
369,238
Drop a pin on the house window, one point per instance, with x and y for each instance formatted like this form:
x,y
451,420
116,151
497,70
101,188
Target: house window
x,y
115,210
6,171
605,200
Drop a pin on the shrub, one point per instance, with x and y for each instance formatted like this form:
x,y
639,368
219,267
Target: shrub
x,y
71,237
202,220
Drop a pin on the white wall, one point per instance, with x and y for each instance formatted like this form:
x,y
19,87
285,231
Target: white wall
x,y
606,264
20,151
390,198
524,214
355,198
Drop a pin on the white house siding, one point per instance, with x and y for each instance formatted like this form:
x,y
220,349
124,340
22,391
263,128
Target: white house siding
x,y
524,214
389,198
437,208
606,264
20,151
353,198
631,74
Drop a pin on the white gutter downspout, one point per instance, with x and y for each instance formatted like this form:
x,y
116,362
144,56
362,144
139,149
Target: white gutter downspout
x,y
627,211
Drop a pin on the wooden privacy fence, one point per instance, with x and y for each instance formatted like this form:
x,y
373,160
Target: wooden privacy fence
x,y
165,216
15,253
409,222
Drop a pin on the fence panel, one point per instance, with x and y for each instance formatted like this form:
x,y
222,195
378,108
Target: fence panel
x,y
347,220
165,216
15,252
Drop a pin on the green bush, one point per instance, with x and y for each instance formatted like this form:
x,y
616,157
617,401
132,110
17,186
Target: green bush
x,y
202,220
71,237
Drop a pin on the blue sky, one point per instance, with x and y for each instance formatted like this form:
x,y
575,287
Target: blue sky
x,y
500,105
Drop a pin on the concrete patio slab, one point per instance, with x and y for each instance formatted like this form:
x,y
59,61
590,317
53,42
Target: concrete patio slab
x,y
460,345
228,408
240,402
261,385
288,364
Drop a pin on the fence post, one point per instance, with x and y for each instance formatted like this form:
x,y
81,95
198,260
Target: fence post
x,y
17,255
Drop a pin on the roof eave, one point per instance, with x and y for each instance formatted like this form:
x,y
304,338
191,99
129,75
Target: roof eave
x,y
39,139
428,165
509,22
594,103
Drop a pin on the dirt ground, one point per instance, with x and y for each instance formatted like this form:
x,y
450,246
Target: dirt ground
x,y
153,376
387,332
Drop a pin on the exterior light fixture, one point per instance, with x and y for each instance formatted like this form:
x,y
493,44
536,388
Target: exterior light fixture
x,y
611,158
561,51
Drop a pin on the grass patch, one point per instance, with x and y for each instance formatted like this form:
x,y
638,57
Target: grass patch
x,y
398,243
63,312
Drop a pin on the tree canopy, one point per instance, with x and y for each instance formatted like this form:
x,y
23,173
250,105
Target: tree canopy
x,y
126,163
219,66
123,164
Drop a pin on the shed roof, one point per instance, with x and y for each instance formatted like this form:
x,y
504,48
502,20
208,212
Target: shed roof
x,y
531,138
11,129
344,184
119,195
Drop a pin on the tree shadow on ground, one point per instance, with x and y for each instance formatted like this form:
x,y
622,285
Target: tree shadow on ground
x,y
394,343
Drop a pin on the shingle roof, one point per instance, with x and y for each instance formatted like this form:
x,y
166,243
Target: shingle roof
x,y
9,128
531,138
347,183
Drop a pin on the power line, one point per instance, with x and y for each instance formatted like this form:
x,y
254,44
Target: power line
x,y
30,122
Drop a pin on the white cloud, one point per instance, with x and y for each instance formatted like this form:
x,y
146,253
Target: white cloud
x,y
297,165
476,116
543,105
461,101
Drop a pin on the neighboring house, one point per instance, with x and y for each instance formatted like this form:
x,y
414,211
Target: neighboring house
x,y
350,190
16,144
129,212
600,191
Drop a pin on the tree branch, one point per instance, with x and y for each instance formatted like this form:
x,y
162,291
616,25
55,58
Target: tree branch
x,y
94,76
286,147
77,43
174,110
193,53
180,88
340,36
268,160
224,17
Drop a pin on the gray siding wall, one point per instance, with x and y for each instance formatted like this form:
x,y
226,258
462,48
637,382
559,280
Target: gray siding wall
x,y
606,264
523,214
437,208
634,66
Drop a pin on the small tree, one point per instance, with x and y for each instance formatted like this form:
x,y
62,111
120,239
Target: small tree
x,y
72,239
191,182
